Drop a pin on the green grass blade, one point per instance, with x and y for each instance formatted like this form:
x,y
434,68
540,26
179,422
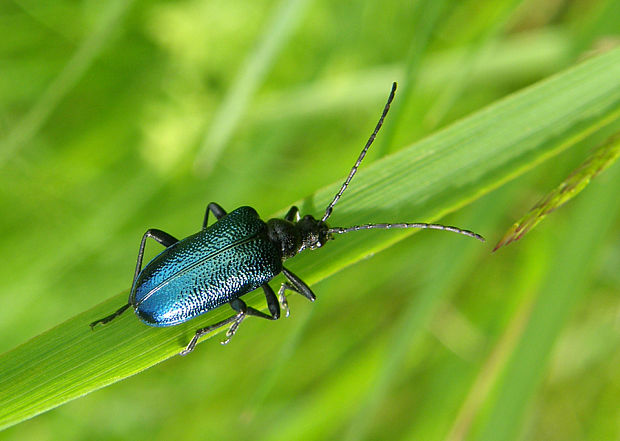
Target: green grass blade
x,y
420,183
579,179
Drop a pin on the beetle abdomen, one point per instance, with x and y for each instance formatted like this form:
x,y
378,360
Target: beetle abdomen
x,y
214,266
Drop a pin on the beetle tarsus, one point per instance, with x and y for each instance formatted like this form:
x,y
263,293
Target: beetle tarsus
x,y
110,317
204,331
190,346
282,297
233,328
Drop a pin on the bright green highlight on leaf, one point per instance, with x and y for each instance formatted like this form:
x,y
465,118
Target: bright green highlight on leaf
x,y
420,183
598,161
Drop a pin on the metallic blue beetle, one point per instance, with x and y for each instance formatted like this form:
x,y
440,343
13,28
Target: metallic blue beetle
x,y
237,254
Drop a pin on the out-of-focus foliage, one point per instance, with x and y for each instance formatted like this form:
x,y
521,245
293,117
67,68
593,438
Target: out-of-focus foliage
x,y
107,114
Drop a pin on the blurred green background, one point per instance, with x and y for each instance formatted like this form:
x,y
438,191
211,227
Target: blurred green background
x,y
123,115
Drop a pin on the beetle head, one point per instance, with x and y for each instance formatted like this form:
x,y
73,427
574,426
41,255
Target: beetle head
x,y
314,233
294,237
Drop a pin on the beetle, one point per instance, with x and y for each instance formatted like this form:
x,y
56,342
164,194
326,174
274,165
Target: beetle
x,y
234,256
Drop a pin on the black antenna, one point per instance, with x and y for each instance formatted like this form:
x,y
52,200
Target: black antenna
x,y
330,207
339,230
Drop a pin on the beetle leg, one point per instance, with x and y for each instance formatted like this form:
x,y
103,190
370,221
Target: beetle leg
x,y
272,302
110,317
282,297
299,285
243,311
292,215
203,331
233,328
160,236
217,211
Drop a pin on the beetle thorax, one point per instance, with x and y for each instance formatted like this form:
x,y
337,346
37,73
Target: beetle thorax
x,y
294,237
